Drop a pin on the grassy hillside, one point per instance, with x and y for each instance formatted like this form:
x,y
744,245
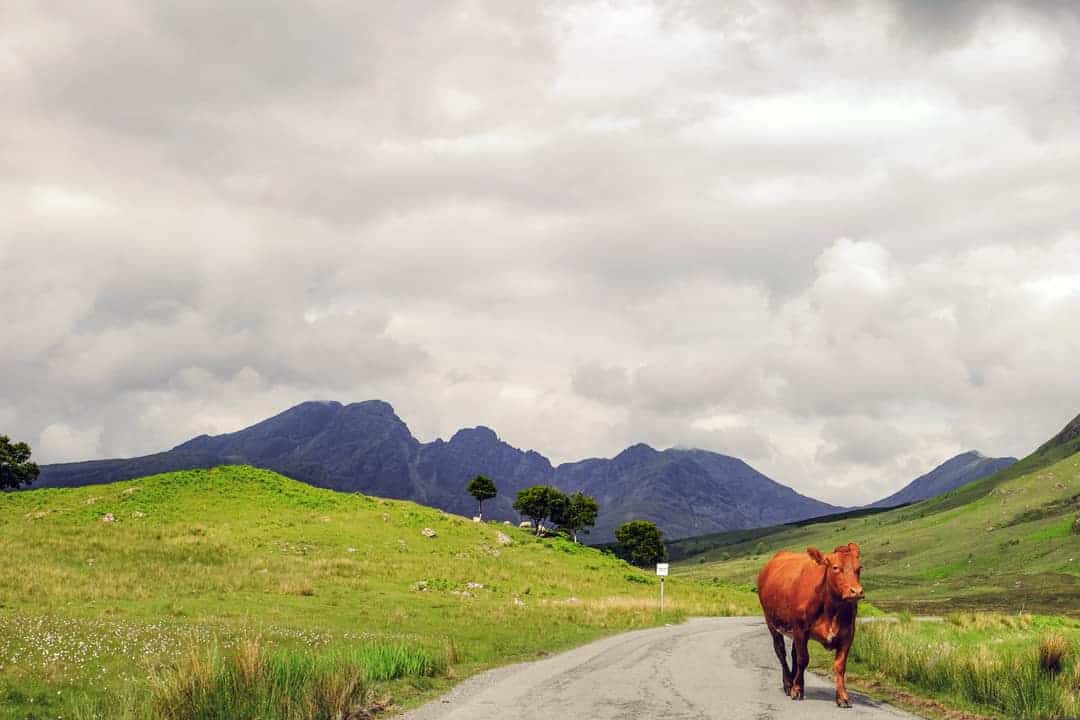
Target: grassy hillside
x,y
204,575
1006,542
1009,542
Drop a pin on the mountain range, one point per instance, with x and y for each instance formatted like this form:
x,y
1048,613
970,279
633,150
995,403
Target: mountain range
x,y
949,475
366,447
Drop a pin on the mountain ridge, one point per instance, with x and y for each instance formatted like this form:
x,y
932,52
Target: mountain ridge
x,y
957,471
366,447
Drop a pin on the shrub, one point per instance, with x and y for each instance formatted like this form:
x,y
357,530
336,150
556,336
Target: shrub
x,y
641,543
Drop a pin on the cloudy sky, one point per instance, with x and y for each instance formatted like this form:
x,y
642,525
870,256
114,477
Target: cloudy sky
x,y
841,241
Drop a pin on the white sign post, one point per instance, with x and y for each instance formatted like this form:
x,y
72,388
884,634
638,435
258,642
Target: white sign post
x,y
661,570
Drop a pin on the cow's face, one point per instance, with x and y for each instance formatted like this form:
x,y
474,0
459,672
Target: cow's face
x,y
842,570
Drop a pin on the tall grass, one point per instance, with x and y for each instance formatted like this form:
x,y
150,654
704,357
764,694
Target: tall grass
x,y
253,683
1016,683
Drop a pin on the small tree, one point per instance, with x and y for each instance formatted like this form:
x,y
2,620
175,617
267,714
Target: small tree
x,y
577,515
16,469
539,503
482,488
641,542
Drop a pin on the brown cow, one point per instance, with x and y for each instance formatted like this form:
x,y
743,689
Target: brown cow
x,y
812,596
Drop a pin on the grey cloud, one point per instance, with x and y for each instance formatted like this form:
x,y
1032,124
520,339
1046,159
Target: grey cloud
x,y
837,240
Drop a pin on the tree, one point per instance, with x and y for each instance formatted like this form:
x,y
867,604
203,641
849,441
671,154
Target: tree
x,y
539,503
578,514
482,488
641,542
16,469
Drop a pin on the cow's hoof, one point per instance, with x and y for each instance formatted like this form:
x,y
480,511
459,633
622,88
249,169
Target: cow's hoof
x,y
796,693
843,703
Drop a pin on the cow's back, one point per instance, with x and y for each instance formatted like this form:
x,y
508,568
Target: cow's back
x,y
786,585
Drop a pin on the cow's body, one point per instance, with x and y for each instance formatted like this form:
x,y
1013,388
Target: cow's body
x,y
812,596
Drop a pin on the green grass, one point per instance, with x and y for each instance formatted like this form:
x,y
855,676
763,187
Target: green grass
x,y
251,682
1011,547
1005,543
979,662
94,615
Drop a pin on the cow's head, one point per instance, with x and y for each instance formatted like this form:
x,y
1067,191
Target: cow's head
x,y
842,570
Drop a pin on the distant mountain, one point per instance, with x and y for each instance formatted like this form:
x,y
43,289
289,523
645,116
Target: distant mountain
x,y
366,447
949,475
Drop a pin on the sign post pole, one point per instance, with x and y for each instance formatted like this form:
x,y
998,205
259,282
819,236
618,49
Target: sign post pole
x,y
662,570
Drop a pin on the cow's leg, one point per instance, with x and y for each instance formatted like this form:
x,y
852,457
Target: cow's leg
x,y
802,656
781,653
840,670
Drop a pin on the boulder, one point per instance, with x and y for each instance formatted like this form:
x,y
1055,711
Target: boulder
x,y
428,532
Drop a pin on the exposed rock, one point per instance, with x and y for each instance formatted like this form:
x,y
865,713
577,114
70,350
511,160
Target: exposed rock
x,y
420,586
428,532
503,539
526,525
476,518
138,514
475,586
109,517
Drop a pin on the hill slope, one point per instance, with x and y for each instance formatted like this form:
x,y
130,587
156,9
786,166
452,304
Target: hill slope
x,y
366,447
220,556
949,475
1009,541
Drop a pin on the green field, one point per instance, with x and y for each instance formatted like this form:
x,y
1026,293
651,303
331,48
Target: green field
x,y
1011,545
998,560
104,619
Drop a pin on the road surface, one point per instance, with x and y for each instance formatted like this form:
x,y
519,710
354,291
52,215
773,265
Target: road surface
x,y
706,669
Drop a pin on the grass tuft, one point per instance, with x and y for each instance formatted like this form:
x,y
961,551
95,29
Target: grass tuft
x,y
295,684
1052,651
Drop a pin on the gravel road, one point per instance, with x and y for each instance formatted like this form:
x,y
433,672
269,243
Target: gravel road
x,y
706,669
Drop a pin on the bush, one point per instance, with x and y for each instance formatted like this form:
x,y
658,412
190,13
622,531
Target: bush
x,y
640,543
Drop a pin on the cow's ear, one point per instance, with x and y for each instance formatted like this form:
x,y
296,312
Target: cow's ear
x,y
816,555
854,548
